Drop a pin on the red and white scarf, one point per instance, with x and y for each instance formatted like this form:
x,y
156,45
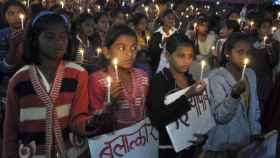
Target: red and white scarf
x,y
52,122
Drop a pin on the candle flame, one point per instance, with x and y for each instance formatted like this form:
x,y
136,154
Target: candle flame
x,y
148,37
246,61
62,4
203,63
252,23
109,80
274,28
21,16
213,47
115,62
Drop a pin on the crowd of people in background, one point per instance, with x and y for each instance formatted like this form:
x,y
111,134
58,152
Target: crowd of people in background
x,y
58,57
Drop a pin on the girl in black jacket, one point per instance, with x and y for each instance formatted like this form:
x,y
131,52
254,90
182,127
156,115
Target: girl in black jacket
x,y
179,55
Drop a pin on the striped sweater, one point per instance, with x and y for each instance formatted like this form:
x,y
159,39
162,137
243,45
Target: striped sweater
x,y
25,121
131,105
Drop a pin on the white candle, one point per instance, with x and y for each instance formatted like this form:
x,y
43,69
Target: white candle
x,y
98,8
278,15
252,23
148,37
180,24
146,10
62,4
203,64
81,51
194,26
239,21
246,61
115,63
98,50
273,29
109,81
21,16
264,40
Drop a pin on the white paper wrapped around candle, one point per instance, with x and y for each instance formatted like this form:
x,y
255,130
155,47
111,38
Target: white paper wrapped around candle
x,y
176,95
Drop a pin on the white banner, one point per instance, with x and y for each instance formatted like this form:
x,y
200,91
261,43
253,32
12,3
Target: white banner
x,y
198,120
266,149
137,141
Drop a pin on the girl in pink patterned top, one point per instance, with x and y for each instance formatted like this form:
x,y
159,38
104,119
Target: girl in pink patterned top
x,y
129,85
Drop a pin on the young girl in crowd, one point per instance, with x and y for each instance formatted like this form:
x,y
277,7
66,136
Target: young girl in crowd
x,y
140,23
102,26
129,85
179,55
204,41
10,51
47,107
228,27
234,103
158,41
11,37
84,29
265,57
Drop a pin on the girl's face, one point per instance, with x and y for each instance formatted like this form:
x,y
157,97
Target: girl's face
x,y
224,32
103,24
142,25
169,21
265,29
202,28
12,16
87,27
53,42
125,50
234,16
119,19
239,53
181,59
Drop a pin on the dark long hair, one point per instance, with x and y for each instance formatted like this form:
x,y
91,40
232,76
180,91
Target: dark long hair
x,y
35,28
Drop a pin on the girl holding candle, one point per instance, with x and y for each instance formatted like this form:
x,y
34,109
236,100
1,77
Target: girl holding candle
x,y
47,105
11,39
140,23
180,55
128,93
83,30
204,40
265,57
234,103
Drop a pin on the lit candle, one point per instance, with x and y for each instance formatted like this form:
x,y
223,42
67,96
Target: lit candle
x,y
148,37
194,26
172,5
115,63
62,4
81,9
81,51
88,10
273,29
180,24
239,21
98,8
264,40
246,62
203,64
21,16
252,24
146,10
127,15
98,50
278,15
109,82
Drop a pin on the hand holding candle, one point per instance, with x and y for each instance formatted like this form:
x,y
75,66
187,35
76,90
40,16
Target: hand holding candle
x,y
115,64
203,64
246,62
21,16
